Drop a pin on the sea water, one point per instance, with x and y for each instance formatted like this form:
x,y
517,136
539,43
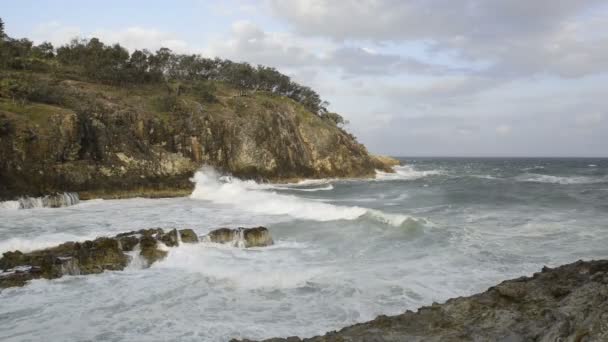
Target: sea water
x,y
345,250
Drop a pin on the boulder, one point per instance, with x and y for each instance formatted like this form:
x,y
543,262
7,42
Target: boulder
x,y
257,237
241,237
188,236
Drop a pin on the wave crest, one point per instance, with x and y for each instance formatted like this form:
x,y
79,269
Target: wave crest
x,y
405,172
259,198
564,180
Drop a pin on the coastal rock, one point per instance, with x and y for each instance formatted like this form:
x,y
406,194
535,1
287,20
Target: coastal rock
x,y
91,256
188,236
70,258
241,237
110,142
567,303
385,163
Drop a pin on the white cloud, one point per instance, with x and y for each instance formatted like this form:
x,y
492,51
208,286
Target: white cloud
x,y
587,120
132,38
503,129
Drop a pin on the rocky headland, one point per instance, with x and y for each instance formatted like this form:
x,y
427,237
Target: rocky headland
x,y
101,121
567,303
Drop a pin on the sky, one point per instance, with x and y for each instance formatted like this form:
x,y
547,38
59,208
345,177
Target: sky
x,y
412,77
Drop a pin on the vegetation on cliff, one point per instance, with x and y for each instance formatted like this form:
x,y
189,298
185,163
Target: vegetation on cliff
x,y
96,119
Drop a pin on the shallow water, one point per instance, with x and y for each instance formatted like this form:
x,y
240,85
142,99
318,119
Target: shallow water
x,y
346,250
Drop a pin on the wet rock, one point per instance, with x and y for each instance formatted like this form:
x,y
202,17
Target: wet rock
x,y
241,237
222,235
87,257
188,236
171,238
70,258
257,237
567,303
150,249
385,163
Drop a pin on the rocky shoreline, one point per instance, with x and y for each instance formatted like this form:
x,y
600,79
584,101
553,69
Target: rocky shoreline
x,y
115,253
567,303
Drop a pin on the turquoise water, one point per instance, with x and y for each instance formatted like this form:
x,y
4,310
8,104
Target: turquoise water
x,y
346,251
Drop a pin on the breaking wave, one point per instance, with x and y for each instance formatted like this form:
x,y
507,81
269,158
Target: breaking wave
x,y
405,172
258,198
41,242
328,187
538,178
50,201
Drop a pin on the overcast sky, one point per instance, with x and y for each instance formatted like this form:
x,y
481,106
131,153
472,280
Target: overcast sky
x,y
432,77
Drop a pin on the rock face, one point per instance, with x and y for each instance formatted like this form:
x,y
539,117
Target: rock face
x,y
74,258
568,303
385,163
241,237
106,141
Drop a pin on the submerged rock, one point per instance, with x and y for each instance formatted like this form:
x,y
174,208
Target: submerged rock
x,y
241,237
75,258
568,303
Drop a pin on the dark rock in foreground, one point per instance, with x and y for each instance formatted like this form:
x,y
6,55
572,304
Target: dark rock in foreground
x,y
241,237
89,257
568,303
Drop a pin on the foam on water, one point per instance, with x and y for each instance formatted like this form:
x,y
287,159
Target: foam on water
x,y
41,241
251,268
65,199
328,187
405,172
251,197
564,180
321,275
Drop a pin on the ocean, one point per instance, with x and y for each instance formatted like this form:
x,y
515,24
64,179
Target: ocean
x,y
345,250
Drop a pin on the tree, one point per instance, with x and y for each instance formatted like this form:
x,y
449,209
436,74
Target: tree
x,y
44,50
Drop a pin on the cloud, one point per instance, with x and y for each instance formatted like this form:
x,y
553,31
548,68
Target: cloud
x,y
503,129
132,38
514,38
143,38
587,120
356,61
248,42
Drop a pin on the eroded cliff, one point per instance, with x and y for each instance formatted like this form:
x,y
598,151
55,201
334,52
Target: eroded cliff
x,y
110,141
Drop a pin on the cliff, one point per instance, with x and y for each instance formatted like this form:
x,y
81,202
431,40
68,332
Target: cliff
x,y
147,140
567,303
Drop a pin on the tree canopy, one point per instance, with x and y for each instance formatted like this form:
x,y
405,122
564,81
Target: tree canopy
x,y
113,64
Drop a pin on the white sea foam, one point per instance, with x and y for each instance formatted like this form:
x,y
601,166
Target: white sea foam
x,y
248,196
485,177
13,205
536,167
266,268
328,187
57,200
564,180
40,242
405,172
